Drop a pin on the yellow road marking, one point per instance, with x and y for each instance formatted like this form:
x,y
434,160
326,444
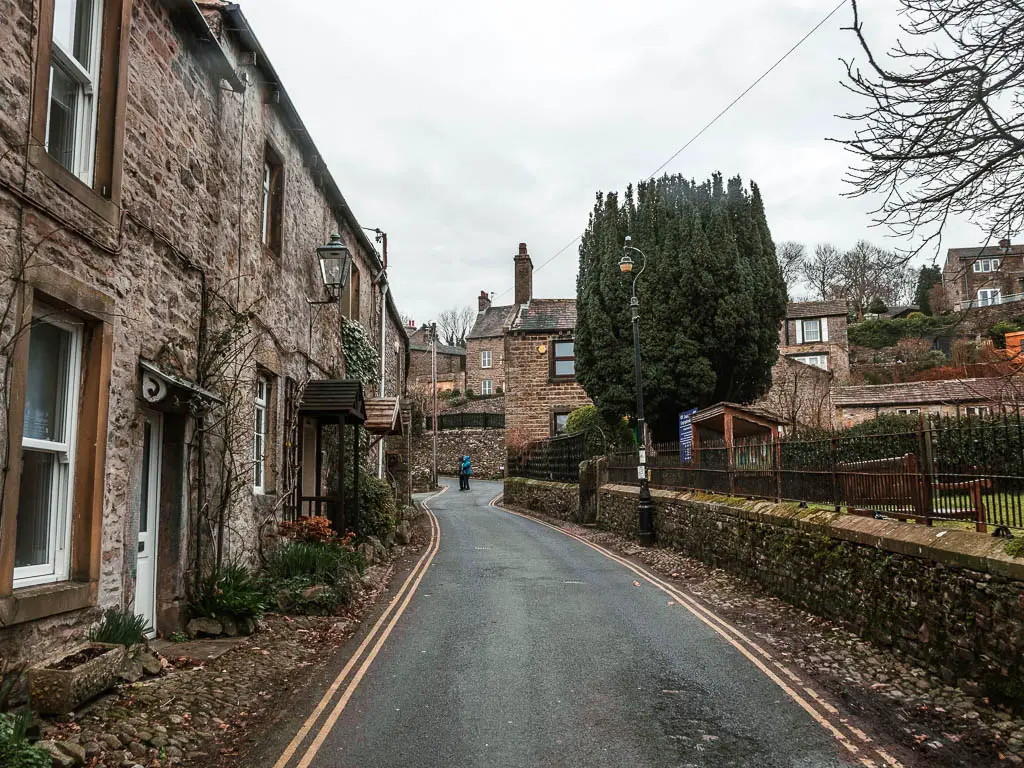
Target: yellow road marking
x,y
419,568
729,633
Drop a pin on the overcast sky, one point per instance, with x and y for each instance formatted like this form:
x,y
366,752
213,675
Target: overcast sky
x,y
462,130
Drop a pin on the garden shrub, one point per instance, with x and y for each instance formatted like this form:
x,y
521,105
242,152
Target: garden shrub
x,y
297,566
119,628
600,437
314,528
915,315
233,592
876,334
378,511
15,751
999,330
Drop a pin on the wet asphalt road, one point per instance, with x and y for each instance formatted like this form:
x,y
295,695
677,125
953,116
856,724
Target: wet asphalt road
x,y
523,647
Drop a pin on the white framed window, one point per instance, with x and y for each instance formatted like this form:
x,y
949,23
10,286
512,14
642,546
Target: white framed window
x,y
43,540
818,361
908,411
485,358
259,439
989,296
74,85
986,265
487,387
978,410
811,331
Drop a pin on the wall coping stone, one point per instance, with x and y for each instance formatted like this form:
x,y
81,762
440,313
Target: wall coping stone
x,y
962,549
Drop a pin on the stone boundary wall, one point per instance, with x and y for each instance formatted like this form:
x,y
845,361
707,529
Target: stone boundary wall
x,y
558,500
951,599
486,449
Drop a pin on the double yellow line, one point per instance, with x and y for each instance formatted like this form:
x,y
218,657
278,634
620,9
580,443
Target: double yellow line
x,y
377,637
853,740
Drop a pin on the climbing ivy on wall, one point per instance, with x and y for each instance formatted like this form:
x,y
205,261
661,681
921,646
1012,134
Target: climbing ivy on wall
x,y
361,360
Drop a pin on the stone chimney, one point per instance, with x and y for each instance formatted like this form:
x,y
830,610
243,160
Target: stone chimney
x,y
1005,244
524,276
484,301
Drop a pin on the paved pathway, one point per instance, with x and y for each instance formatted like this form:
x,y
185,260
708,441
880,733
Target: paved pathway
x,y
524,647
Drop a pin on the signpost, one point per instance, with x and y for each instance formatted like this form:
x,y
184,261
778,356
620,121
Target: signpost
x,y
686,435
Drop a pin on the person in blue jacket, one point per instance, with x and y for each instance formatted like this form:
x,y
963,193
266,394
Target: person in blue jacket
x,y
465,470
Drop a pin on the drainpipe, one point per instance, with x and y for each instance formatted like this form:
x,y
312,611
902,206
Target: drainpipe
x,y
383,350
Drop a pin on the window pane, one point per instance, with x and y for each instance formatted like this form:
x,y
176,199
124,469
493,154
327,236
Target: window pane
x,y
565,349
48,362
565,367
812,331
560,421
60,134
83,33
35,508
64,14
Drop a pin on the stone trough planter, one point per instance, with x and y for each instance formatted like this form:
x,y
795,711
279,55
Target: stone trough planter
x,y
59,686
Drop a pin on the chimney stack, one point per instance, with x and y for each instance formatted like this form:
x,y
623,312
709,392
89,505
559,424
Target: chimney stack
x,y
1005,244
524,276
484,301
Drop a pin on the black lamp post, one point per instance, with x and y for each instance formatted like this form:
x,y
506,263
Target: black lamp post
x,y
646,507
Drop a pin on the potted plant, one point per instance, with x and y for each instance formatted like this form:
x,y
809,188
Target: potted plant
x,y
59,686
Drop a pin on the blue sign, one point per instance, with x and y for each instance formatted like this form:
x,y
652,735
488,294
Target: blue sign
x,y
686,435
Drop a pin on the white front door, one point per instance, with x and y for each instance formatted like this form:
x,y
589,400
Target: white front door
x,y
149,521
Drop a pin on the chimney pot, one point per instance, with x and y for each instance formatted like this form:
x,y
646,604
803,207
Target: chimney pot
x,y
483,301
1004,243
524,276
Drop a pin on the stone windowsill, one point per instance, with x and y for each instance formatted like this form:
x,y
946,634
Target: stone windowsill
x,y
31,603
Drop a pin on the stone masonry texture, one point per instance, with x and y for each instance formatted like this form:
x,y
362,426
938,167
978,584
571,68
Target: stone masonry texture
x,y
485,447
191,203
533,398
558,500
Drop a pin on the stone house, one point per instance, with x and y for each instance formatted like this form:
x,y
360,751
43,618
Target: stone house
x,y
485,347
983,277
952,397
451,363
800,395
161,203
815,333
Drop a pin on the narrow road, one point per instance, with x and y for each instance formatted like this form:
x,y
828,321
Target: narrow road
x,y
524,647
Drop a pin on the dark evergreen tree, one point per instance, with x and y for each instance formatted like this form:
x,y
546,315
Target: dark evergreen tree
x,y
712,298
928,278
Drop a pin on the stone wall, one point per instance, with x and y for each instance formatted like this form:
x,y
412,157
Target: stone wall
x,y
558,500
952,599
800,394
533,397
485,447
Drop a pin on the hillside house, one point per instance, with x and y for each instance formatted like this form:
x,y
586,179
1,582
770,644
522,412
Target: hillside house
x,y
451,362
951,397
815,333
984,277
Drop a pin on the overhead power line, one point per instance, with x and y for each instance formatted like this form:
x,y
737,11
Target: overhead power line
x,y
710,123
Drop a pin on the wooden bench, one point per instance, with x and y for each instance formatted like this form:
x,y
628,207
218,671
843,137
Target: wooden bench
x,y
897,488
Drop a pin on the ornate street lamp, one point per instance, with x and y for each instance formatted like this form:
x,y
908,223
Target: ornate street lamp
x,y
646,510
335,265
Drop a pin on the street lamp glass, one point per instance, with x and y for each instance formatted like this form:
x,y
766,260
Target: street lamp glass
x,y
335,261
626,264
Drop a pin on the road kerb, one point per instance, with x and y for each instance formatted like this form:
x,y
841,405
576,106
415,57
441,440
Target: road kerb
x,y
410,581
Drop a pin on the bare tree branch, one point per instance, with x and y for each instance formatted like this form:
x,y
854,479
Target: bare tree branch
x,y
454,324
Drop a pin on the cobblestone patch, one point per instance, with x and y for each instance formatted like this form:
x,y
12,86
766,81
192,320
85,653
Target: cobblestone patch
x,y
939,724
199,712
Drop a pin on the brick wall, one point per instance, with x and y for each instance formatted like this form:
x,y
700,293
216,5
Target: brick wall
x,y
475,373
183,146
533,397
449,369
485,448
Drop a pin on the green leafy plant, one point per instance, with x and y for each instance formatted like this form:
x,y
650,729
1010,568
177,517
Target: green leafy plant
x,y
119,628
178,637
311,577
15,751
231,592
600,436
1015,547
877,334
378,511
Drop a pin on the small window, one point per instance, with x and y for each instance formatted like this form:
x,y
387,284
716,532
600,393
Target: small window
x,y
273,200
485,359
260,430
558,421
818,361
74,85
43,538
986,265
487,387
812,331
988,297
908,411
978,410
564,360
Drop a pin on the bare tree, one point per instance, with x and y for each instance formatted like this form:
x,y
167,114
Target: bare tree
x,y
867,271
821,272
791,256
943,132
454,324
